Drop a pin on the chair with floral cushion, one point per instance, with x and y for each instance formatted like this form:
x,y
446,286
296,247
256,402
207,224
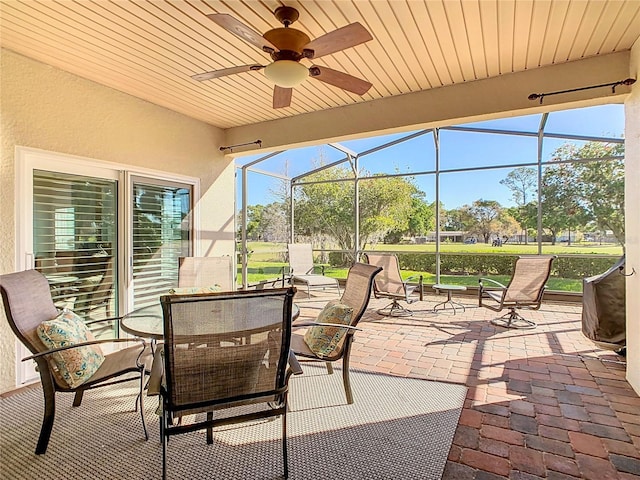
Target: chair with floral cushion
x,y
68,357
329,338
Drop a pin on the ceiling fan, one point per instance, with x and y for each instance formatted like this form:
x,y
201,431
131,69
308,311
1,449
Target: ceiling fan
x,y
287,46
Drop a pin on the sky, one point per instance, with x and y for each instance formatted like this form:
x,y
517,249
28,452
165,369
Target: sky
x,y
458,150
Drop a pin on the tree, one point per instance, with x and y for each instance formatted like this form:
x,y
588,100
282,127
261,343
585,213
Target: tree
x,y
506,225
269,223
599,185
422,219
254,221
328,208
523,183
483,218
562,206
455,220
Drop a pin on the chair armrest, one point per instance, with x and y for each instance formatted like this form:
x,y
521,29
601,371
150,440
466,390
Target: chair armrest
x,y
84,344
294,365
495,285
91,322
412,279
316,324
316,267
420,284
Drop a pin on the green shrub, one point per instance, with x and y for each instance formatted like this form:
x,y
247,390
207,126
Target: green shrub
x,y
340,259
570,267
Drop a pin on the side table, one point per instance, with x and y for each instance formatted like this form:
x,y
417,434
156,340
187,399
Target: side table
x,y
448,288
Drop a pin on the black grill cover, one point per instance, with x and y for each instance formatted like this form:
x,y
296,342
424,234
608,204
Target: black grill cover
x,y
603,308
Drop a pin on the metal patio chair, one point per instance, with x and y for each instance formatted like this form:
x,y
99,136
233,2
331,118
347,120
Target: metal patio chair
x,y
525,290
302,270
389,284
223,350
206,271
356,295
27,303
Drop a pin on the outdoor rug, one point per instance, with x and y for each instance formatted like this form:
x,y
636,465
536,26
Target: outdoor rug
x,y
398,428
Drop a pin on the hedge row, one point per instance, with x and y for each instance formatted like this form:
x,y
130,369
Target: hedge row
x,y
454,264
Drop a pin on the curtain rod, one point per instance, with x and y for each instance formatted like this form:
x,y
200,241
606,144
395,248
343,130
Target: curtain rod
x,y
231,147
613,85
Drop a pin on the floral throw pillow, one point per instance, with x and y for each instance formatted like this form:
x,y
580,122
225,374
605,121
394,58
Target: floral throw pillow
x,y
75,365
194,290
323,340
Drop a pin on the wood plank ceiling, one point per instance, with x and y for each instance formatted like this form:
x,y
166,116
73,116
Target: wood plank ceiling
x,y
150,48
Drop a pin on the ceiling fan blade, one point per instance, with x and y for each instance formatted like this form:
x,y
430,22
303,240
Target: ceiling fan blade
x,y
344,37
239,29
340,79
281,97
224,72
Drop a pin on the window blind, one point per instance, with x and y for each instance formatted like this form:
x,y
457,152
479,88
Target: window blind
x,y
161,234
74,240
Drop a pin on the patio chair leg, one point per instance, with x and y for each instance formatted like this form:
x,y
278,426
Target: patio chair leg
x,y
141,400
345,379
394,309
77,399
284,444
49,414
209,429
163,429
514,320
329,368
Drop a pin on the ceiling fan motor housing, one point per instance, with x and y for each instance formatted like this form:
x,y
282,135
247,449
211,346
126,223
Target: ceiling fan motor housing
x,y
289,42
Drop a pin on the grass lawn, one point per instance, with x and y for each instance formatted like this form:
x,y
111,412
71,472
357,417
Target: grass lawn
x,y
260,271
268,251
267,260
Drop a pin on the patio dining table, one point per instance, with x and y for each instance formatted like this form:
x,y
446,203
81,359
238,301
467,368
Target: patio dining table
x,y
148,322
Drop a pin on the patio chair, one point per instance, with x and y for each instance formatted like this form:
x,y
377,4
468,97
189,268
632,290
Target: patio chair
x,y
389,284
96,290
356,295
206,368
206,271
28,303
525,290
301,269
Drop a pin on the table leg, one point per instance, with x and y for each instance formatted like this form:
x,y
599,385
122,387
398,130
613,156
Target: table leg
x,y
450,302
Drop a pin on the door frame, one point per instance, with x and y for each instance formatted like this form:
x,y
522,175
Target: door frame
x,y
28,159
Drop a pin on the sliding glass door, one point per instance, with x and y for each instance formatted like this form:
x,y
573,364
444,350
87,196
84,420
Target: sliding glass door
x,y
75,235
106,237
161,233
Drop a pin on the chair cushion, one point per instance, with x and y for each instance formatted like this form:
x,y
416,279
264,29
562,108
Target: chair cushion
x,y
76,365
194,290
322,340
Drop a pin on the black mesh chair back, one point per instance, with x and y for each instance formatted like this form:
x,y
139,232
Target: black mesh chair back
x,y
222,350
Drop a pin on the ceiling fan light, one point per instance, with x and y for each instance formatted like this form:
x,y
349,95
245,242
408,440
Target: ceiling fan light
x,y
286,73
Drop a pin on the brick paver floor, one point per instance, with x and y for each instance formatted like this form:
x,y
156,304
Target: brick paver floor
x,y
541,403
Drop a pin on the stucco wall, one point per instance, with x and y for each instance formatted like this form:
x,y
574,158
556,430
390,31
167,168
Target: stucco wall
x,y
49,109
632,219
